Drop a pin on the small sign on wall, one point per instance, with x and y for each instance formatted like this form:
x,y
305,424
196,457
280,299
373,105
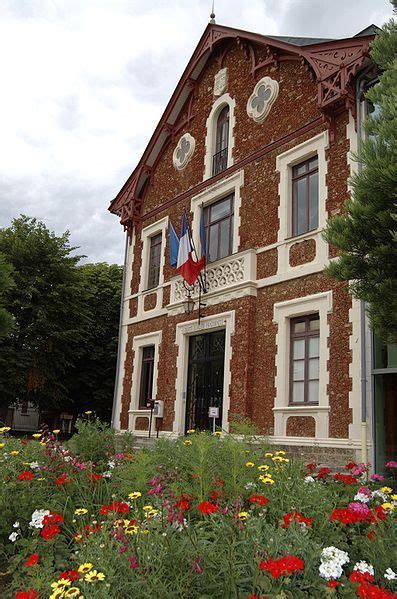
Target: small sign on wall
x,y
213,412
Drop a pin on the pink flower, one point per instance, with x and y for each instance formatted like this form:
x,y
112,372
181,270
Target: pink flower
x,y
377,477
364,491
391,464
197,566
358,470
133,562
359,508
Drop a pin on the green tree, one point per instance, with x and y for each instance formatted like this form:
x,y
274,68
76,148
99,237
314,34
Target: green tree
x,y
366,234
48,303
6,282
91,380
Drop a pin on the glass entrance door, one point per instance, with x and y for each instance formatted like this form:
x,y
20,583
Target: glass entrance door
x,y
385,400
205,379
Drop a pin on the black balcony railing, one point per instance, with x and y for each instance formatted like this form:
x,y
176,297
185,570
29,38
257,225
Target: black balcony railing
x,y
219,162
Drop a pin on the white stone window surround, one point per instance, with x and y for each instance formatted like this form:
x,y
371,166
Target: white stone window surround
x,y
139,342
210,138
212,194
159,226
321,304
184,330
315,146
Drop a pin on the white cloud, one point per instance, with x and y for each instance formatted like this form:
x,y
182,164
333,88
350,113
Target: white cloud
x,y
84,84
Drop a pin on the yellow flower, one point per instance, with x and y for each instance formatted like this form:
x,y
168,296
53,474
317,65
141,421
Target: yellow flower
x,y
77,538
217,433
72,592
80,511
151,513
147,508
263,467
88,412
131,529
393,497
36,435
61,584
268,454
286,460
249,464
58,593
94,576
191,431
40,478
14,452
145,531
2,445
387,490
56,431
135,495
389,507
84,568
277,458
280,452
4,429
266,480
243,515
187,442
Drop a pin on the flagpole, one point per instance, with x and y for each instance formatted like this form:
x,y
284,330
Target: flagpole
x,y
201,282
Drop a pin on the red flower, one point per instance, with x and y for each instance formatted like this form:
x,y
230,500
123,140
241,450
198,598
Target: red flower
x,y
282,566
183,505
207,508
351,465
322,473
333,584
26,475
186,497
53,518
366,590
371,535
295,517
361,577
62,480
119,507
219,482
214,495
311,466
50,531
30,594
33,560
348,479
70,575
94,476
259,499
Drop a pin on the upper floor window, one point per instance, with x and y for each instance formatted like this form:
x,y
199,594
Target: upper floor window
x,y
154,261
304,359
146,386
218,220
219,161
305,196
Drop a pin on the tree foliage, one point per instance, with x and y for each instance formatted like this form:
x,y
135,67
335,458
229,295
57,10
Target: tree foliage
x,y
366,234
61,351
6,282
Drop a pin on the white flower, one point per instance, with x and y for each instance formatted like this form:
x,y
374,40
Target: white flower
x,y
378,494
250,485
67,458
390,575
330,570
37,518
34,465
364,568
16,524
334,554
309,479
13,537
361,497
107,474
111,464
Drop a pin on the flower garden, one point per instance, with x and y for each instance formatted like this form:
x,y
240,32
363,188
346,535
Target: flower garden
x,y
204,516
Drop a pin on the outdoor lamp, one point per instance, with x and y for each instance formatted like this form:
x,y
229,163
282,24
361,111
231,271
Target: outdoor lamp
x,y
188,305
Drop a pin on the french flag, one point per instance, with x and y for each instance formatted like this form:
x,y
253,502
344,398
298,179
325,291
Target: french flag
x,y
186,265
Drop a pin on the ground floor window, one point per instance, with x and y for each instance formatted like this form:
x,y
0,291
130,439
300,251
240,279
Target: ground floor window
x,y
146,388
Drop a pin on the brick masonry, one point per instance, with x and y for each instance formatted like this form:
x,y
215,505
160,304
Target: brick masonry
x,y
252,390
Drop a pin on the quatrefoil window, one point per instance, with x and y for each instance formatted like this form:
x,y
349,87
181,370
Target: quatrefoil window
x,y
262,99
183,151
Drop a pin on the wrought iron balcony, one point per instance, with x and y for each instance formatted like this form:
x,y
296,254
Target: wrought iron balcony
x,y
219,162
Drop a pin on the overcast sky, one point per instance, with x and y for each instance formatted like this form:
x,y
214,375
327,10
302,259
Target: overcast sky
x,y
84,83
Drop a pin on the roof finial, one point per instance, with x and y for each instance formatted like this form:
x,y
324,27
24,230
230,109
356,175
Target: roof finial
x,y
212,15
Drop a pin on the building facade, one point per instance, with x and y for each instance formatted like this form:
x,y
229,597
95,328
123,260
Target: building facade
x,y
259,134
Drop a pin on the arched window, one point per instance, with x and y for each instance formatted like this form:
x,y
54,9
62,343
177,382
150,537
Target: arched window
x,y
219,161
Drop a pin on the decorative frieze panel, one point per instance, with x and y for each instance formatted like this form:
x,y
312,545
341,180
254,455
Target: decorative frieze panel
x,y
230,274
220,82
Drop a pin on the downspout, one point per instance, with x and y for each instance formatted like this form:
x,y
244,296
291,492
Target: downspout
x,y
117,378
360,84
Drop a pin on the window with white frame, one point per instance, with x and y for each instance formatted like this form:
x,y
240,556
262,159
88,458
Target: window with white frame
x,y
218,222
302,188
219,141
147,370
153,255
304,359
